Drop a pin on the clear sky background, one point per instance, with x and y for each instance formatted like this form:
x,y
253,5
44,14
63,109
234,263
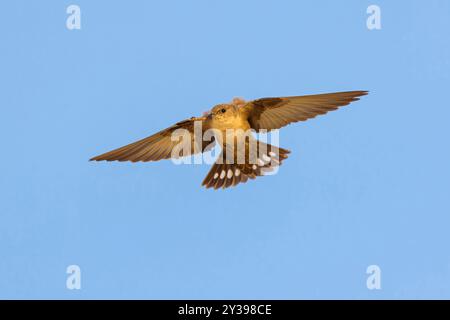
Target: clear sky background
x,y
368,184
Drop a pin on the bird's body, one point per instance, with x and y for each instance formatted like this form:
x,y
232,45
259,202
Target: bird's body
x,y
242,156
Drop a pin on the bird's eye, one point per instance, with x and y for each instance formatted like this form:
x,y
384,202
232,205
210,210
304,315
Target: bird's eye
x,y
223,110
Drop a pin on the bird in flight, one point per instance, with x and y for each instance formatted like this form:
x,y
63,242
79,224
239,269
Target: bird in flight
x,y
234,165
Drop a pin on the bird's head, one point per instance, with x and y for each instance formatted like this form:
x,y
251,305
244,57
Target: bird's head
x,y
223,112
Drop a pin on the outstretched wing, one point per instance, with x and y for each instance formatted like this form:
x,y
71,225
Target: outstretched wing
x,y
274,113
160,145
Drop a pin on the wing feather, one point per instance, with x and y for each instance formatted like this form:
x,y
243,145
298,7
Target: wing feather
x,y
158,146
274,113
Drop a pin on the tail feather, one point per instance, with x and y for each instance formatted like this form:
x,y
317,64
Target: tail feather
x,y
224,175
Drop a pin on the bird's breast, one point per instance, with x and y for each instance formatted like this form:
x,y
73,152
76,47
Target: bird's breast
x,y
231,123
231,128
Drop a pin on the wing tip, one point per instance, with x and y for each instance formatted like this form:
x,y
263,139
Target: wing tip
x,y
360,93
356,95
100,158
364,92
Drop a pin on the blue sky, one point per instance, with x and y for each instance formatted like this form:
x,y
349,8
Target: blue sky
x,y
368,184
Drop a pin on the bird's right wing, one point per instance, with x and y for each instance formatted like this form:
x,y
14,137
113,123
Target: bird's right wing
x,y
274,113
160,145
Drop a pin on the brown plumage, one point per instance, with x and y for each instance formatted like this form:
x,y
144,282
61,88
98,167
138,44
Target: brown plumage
x,y
260,114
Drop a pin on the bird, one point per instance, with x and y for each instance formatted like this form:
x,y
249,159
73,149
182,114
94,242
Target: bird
x,y
234,165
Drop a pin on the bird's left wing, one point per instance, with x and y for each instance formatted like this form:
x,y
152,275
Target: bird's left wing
x,y
160,145
274,113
